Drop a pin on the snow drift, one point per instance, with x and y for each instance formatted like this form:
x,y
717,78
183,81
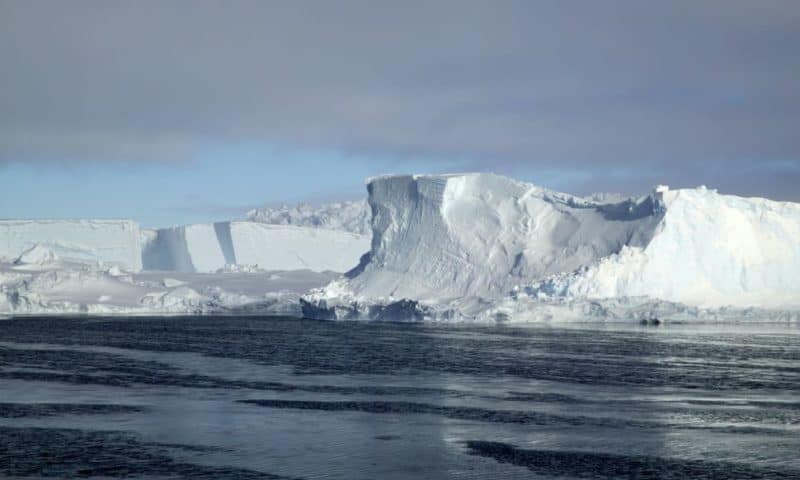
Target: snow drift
x,y
479,244
212,247
110,241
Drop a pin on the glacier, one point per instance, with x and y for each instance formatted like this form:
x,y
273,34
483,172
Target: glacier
x,y
483,246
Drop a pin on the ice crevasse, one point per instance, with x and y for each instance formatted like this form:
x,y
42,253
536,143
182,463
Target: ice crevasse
x,y
472,245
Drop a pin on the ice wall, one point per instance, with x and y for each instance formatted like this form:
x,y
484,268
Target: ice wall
x,y
285,247
110,241
209,247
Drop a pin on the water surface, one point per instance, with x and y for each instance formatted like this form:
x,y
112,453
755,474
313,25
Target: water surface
x,y
227,397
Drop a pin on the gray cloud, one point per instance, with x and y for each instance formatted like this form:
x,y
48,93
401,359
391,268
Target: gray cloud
x,y
682,90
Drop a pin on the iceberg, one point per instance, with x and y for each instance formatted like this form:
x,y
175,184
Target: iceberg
x,y
482,246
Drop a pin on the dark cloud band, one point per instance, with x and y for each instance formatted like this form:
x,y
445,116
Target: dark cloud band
x,y
500,85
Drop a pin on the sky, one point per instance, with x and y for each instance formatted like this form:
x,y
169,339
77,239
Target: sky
x,y
184,111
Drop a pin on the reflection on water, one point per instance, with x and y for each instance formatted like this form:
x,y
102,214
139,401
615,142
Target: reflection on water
x,y
227,397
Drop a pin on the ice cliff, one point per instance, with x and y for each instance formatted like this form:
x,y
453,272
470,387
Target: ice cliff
x,y
207,248
478,245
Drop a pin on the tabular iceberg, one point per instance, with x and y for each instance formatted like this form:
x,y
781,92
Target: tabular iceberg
x,y
482,245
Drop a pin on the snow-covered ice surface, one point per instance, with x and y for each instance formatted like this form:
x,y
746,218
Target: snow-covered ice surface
x,y
485,247
110,241
352,216
59,287
207,248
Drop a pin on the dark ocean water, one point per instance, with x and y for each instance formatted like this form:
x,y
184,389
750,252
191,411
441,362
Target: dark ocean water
x,y
242,398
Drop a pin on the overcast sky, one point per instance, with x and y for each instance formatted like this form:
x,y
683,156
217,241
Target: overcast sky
x,y
177,111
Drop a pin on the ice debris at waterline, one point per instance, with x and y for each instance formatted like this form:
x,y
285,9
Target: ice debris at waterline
x,y
486,247
61,287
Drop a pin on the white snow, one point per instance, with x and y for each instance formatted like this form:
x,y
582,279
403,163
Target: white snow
x,y
474,245
352,216
109,241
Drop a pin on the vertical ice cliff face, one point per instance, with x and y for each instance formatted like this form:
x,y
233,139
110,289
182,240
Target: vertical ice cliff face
x,y
109,241
441,237
210,247
286,247
461,243
188,248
